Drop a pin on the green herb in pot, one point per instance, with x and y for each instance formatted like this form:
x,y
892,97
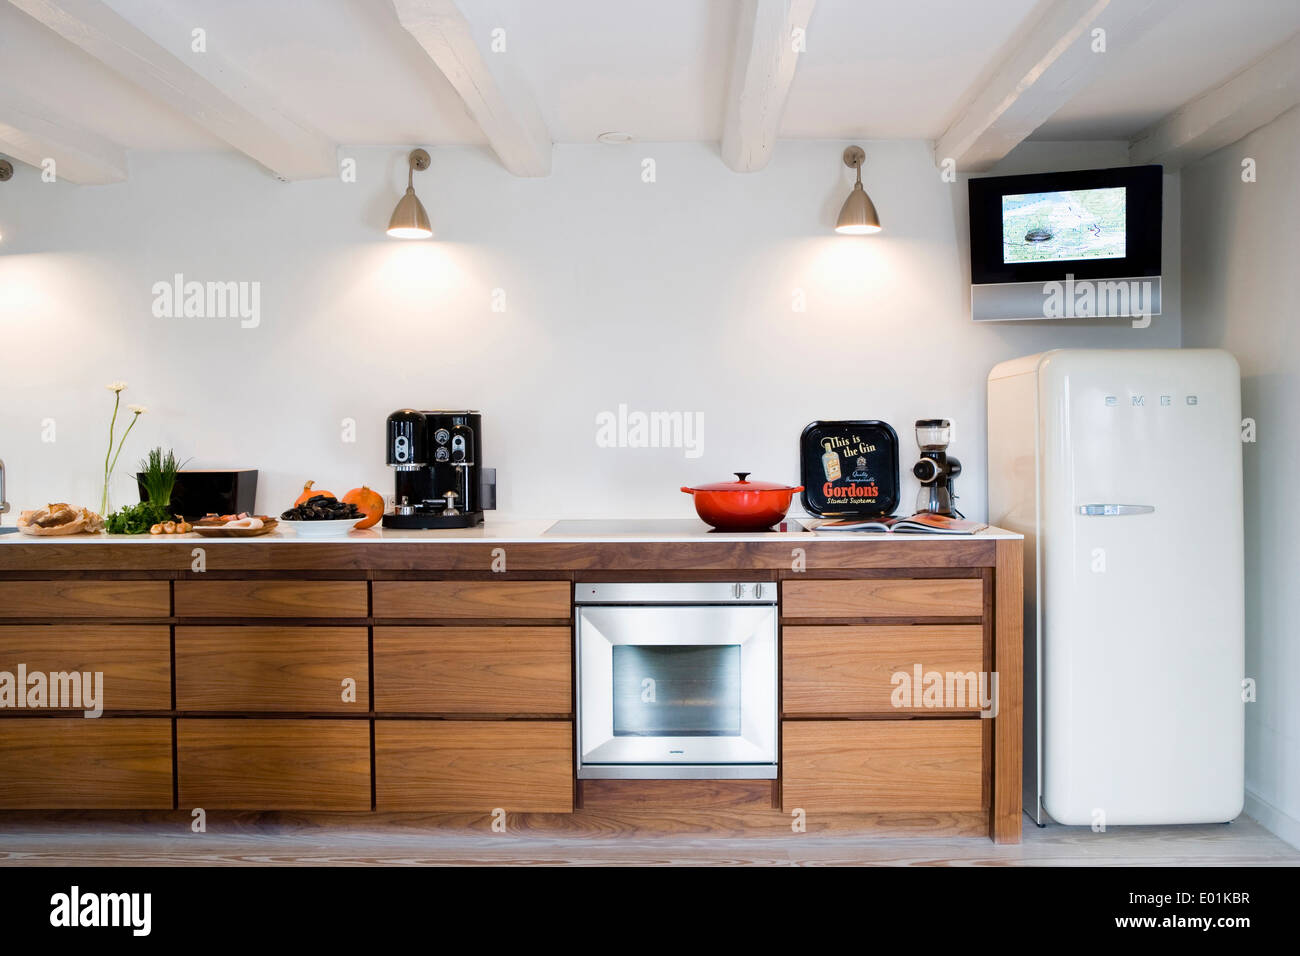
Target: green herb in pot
x,y
158,476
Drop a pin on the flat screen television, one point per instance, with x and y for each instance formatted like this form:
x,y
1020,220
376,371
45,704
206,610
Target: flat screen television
x,y
1090,223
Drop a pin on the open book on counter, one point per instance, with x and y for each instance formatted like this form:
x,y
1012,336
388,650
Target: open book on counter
x,y
922,523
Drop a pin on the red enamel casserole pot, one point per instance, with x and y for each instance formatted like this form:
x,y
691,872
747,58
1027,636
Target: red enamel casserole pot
x,y
742,505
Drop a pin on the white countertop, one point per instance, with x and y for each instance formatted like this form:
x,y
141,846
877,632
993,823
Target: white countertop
x,y
505,530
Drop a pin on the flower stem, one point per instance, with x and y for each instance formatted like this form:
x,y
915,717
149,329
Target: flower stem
x,y
134,419
112,424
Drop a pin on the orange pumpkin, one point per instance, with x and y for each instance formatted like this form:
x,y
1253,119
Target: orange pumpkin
x,y
309,492
370,503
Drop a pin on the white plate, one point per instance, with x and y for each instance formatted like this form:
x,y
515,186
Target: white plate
x,y
320,529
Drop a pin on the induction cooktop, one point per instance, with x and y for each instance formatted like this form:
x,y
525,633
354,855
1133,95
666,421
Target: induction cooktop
x,y
652,527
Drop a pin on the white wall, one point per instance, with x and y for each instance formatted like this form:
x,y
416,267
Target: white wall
x,y
1241,243
672,295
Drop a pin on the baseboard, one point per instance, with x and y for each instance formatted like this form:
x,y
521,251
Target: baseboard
x,y
1272,819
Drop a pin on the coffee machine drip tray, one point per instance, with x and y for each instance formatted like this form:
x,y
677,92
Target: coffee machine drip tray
x,y
425,521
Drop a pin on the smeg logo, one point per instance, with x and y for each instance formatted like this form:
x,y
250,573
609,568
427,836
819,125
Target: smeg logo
x,y
1140,401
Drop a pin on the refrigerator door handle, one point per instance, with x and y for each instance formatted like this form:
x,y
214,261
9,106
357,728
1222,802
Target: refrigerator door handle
x,y
1110,510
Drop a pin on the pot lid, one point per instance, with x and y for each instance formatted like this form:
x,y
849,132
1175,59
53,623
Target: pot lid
x,y
744,484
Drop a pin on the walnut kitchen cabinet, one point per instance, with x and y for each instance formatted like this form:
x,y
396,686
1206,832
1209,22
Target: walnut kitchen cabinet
x,y
840,662
474,670
273,764
75,763
400,674
474,765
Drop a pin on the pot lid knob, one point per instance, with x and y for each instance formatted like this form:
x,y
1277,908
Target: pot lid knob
x,y
741,475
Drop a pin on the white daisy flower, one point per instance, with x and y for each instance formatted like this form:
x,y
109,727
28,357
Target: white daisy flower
x,y
138,409
116,386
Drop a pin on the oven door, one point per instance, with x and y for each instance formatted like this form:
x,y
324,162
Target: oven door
x,y
677,691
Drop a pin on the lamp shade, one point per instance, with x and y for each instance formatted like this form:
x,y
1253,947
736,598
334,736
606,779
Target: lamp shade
x,y
858,214
409,220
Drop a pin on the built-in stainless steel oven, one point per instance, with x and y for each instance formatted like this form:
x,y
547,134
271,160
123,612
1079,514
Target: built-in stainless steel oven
x,y
677,680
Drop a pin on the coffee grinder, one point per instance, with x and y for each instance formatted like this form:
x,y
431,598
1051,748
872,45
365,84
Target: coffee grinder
x,y
439,481
936,469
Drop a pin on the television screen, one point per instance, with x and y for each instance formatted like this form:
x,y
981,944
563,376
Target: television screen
x,y
1086,223
1070,224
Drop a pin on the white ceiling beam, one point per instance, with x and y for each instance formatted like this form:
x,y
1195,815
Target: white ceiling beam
x,y
1254,97
494,94
33,133
1050,61
202,86
762,69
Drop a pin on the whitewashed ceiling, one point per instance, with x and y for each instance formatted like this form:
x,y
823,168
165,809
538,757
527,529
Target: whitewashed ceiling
x,y
279,78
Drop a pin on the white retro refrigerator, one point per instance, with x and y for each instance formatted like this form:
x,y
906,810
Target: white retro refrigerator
x,y
1122,468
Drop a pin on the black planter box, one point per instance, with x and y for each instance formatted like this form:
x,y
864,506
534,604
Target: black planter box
x,y
199,492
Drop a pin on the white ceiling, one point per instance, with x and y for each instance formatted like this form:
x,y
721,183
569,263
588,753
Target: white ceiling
x,y
658,69
894,70
1180,57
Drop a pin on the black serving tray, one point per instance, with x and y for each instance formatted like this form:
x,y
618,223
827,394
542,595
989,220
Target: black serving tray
x,y
861,480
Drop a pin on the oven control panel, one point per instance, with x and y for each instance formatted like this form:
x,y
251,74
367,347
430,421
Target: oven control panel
x,y
676,593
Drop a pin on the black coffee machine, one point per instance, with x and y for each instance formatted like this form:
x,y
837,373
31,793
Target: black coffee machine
x,y
438,474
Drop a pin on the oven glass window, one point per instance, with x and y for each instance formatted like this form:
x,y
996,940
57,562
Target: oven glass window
x,y
676,691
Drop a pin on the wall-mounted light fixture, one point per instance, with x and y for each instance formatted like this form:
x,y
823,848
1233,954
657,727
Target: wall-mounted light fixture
x,y
409,220
6,173
858,215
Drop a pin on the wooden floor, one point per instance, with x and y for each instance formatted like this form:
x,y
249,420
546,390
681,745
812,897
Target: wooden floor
x,y
36,841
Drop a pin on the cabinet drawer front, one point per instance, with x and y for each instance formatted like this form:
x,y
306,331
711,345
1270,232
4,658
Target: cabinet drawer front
x,y
472,599
135,660
851,669
474,765
882,765
271,598
884,597
473,670
71,763
263,764
246,667
19,599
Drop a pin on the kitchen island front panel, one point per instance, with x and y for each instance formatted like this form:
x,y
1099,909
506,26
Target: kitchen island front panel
x,y
524,548
252,667
72,763
883,598
273,597
462,674
80,597
130,663
882,765
473,599
881,669
474,670
273,764
474,766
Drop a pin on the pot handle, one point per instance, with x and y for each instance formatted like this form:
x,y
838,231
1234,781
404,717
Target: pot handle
x,y
689,491
796,490
741,475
